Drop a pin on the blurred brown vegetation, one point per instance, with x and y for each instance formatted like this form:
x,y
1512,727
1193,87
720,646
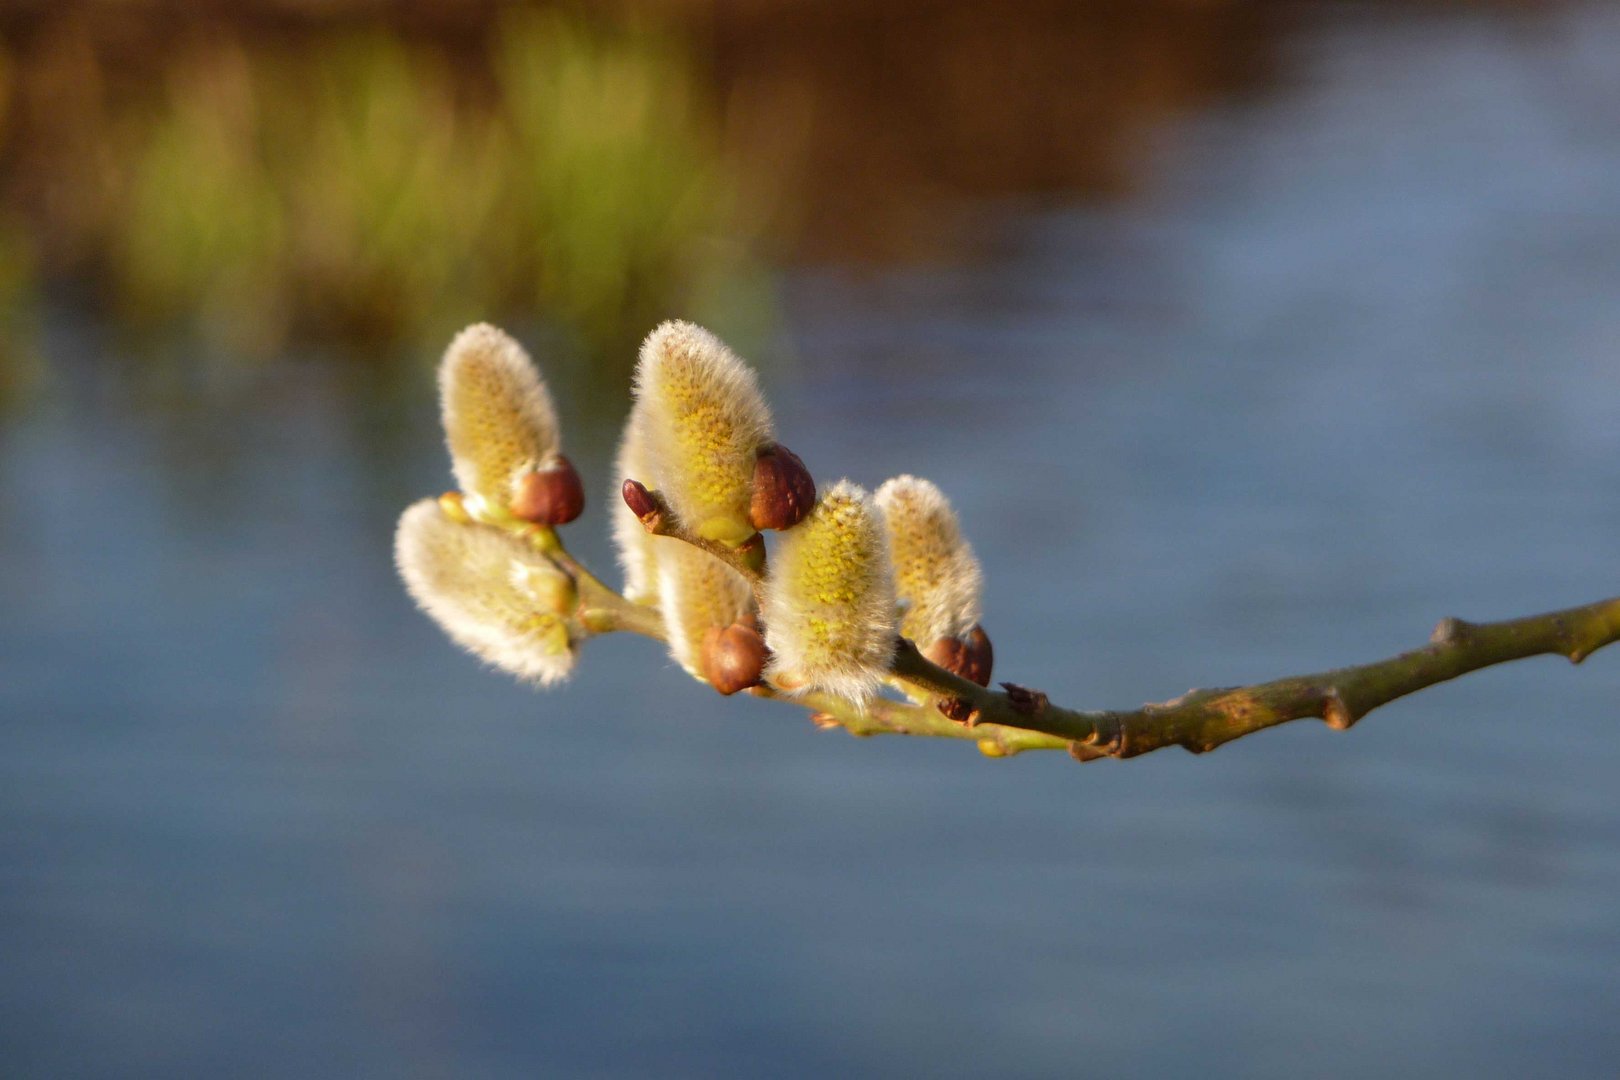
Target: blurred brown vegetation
x,y
373,173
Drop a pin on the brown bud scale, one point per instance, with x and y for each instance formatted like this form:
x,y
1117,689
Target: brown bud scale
x,y
638,499
733,657
784,490
549,496
972,658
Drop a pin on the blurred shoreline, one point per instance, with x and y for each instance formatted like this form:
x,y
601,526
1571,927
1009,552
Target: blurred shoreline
x,y
366,174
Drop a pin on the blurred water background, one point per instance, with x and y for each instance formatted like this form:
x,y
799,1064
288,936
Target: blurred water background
x,y
1249,338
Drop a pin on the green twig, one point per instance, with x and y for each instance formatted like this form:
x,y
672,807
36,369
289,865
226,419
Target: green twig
x,y
1201,720
748,559
1015,719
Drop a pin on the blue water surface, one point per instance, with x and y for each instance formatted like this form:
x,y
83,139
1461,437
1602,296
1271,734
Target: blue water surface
x,y
1351,364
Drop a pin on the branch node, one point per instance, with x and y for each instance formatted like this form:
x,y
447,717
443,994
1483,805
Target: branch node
x,y
1336,713
1107,739
1451,631
954,708
1580,645
1024,701
1084,752
598,620
751,555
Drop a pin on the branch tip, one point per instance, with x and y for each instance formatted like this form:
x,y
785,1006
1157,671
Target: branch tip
x,y
651,509
647,507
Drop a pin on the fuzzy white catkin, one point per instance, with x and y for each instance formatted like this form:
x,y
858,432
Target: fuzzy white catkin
x,y
936,574
696,591
704,422
636,547
829,604
499,420
490,592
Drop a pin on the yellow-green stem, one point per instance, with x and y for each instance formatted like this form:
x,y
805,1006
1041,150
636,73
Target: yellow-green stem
x,y
1015,719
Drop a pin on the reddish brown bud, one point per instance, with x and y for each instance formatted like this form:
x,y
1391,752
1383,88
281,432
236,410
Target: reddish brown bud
x,y
733,657
549,496
638,498
970,658
784,490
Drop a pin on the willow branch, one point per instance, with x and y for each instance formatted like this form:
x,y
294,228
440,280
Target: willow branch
x,y
656,517
601,609
882,716
1201,720
1017,718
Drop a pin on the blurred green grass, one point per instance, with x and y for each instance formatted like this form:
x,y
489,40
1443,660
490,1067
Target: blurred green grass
x,y
246,181
354,189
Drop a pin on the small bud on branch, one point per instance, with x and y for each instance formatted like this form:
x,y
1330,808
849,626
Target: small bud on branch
x,y
639,500
733,657
551,495
784,491
970,657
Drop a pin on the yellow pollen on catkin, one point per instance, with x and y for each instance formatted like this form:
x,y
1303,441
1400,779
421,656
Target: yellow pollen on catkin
x,y
696,591
937,576
499,420
493,594
704,423
830,601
